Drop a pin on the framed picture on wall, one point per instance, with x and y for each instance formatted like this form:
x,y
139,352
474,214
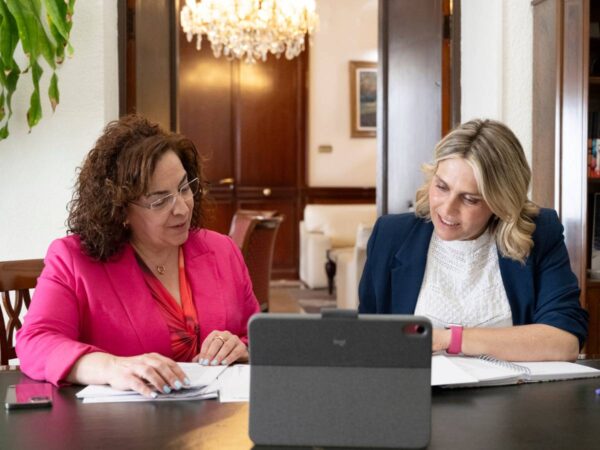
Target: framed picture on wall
x,y
363,99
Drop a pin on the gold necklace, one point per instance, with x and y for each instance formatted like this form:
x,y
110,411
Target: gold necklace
x,y
160,268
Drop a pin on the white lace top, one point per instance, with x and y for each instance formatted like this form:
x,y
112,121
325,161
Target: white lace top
x,y
462,284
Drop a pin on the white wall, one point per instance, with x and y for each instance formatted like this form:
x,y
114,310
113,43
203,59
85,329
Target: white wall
x,y
496,69
346,33
38,168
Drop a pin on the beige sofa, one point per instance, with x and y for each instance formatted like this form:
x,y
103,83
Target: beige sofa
x,y
333,228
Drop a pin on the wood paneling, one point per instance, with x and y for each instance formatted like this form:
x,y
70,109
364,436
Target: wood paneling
x,y
154,60
205,107
336,195
410,69
547,50
574,135
268,121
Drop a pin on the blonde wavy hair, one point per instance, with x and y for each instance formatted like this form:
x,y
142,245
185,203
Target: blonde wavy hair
x,y
502,174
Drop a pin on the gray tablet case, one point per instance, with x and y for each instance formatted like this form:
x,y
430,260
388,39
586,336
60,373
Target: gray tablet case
x,y
340,379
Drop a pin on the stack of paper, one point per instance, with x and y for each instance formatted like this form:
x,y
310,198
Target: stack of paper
x,y
203,385
230,384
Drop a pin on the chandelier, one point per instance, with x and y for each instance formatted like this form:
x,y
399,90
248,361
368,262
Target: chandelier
x,y
250,29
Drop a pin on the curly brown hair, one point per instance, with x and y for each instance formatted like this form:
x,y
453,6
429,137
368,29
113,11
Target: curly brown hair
x,y
117,171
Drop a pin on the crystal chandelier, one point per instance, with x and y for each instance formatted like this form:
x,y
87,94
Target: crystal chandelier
x,y
250,29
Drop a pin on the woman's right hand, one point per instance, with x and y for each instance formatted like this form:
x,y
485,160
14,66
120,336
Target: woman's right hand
x,y
146,374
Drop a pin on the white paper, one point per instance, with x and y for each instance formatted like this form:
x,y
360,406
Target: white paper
x,y
444,372
175,396
201,379
234,384
464,371
558,370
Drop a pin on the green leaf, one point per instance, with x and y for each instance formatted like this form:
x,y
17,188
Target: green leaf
x,y
53,93
34,114
10,79
57,13
4,132
70,7
34,39
2,110
9,34
60,43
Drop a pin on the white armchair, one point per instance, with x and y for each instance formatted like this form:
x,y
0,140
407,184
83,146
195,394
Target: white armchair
x,y
350,266
329,227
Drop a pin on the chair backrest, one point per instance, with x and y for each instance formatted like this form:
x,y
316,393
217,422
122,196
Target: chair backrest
x,y
16,279
242,226
255,232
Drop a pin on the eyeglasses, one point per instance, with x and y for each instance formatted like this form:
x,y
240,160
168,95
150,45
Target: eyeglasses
x,y
186,191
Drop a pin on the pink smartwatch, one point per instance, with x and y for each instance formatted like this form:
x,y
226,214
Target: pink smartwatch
x,y
455,346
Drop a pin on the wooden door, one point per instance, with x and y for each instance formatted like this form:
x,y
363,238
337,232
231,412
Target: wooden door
x,y
249,123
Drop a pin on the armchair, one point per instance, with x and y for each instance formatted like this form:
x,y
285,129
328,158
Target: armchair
x,y
350,266
254,232
330,228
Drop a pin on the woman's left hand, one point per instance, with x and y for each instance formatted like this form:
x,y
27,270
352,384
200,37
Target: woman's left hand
x,y
221,347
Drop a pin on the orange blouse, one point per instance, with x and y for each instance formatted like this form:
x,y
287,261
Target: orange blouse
x,y
181,320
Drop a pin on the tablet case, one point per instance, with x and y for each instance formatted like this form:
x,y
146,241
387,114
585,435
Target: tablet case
x,y
340,379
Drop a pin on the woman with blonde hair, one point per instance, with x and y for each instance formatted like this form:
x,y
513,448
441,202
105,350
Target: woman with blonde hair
x,y
486,265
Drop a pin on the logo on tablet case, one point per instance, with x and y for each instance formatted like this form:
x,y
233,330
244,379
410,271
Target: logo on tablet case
x,y
339,342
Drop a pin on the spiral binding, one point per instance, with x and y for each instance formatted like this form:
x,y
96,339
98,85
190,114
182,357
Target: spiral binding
x,y
506,364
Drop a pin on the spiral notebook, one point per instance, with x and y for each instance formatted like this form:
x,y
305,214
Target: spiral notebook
x,y
464,371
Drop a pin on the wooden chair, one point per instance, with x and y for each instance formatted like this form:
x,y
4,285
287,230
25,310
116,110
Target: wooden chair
x,y
16,279
255,232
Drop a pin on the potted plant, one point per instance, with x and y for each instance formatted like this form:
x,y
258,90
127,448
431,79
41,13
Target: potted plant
x,y
42,29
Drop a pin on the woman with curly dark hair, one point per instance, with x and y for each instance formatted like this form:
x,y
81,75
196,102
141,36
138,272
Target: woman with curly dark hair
x,y
137,284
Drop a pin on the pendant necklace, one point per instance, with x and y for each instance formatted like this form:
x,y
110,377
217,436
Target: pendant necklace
x,y
160,268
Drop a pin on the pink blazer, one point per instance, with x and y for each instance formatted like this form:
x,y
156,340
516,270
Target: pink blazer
x,y
81,305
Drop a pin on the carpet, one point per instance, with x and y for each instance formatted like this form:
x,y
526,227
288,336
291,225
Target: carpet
x,y
309,300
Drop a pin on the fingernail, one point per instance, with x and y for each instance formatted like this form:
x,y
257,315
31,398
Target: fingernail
x,y
187,381
204,362
214,362
166,389
178,384
153,394
224,362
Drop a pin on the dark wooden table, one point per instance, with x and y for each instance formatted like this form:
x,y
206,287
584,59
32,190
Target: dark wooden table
x,y
558,415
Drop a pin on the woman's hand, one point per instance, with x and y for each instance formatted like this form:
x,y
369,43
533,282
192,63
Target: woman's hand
x,y
145,374
221,347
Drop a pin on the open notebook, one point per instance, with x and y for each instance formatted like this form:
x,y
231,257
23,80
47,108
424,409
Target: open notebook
x,y
464,371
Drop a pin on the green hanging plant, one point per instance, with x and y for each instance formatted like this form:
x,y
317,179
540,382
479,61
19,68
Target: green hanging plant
x,y
21,21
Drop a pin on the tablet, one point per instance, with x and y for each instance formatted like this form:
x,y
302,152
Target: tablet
x,y
340,379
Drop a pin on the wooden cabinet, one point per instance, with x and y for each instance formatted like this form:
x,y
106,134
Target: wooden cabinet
x,y
562,95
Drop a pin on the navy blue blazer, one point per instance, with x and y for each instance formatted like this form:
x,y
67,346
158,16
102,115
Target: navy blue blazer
x,y
543,290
